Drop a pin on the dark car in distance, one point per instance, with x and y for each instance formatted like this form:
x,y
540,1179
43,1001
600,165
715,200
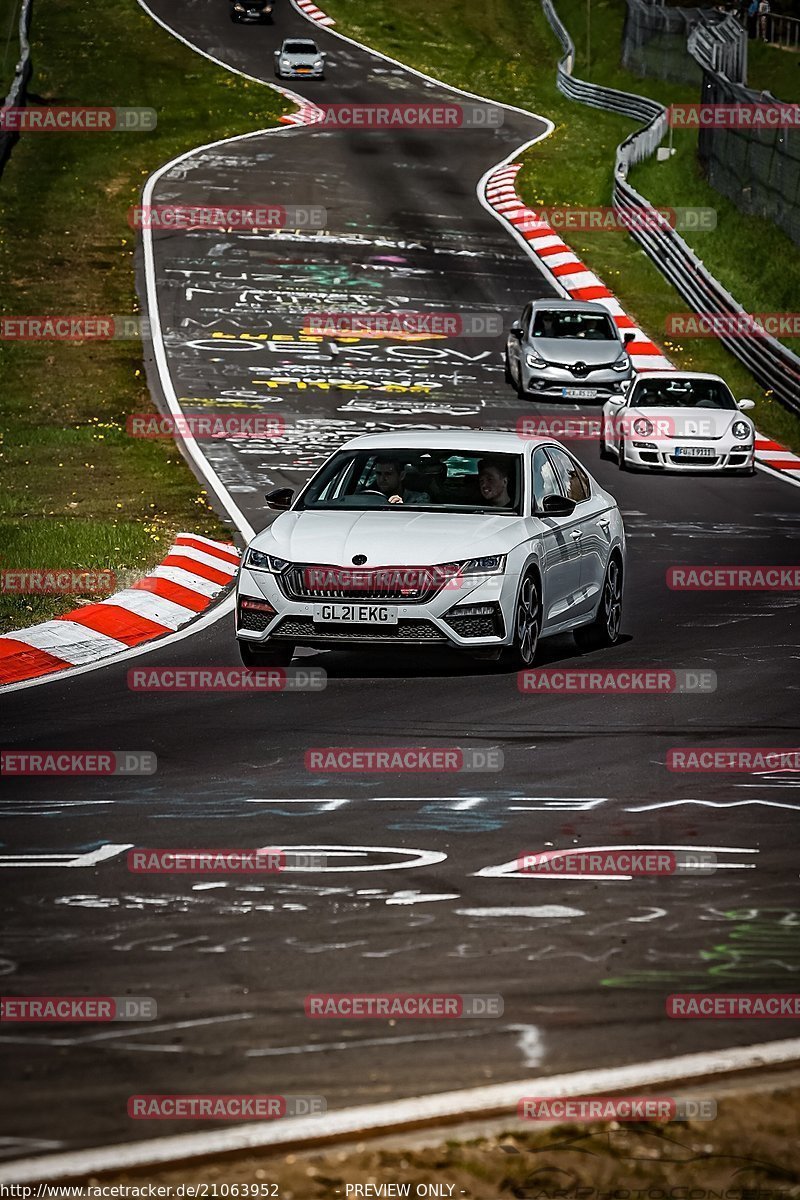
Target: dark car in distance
x,y
256,11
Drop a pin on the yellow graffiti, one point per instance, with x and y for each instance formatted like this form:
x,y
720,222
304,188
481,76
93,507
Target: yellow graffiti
x,y
340,384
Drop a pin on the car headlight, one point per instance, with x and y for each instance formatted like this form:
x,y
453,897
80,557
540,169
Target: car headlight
x,y
318,65
533,360
258,561
491,564
643,427
740,429
285,64
622,363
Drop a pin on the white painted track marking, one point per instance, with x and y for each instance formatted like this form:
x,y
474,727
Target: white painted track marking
x,y
395,1115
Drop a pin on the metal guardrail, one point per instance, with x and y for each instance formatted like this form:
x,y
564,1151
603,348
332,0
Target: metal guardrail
x,y
721,47
775,367
783,31
18,92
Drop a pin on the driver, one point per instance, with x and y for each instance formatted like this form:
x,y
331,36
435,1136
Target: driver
x,y
493,476
389,479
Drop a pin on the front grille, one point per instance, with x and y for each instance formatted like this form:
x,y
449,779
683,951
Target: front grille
x,y
407,585
301,629
476,626
255,621
588,368
680,461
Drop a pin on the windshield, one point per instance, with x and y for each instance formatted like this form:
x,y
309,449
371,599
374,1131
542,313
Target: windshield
x,y
683,393
440,481
591,327
299,48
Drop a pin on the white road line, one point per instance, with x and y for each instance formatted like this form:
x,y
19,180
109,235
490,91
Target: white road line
x,y
712,804
539,912
396,1115
90,859
512,869
411,858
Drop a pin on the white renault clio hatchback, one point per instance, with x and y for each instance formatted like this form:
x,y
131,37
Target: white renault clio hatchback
x,y
482,542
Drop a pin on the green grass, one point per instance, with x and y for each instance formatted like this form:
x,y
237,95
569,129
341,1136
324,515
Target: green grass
x,y
507,53
774,70
77,490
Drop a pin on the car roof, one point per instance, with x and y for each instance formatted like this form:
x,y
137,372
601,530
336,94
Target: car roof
x,y
489,441
577,306
645,375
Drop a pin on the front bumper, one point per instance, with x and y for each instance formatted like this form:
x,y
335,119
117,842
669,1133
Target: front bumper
x,y
660,457
555,383
436,621
295,73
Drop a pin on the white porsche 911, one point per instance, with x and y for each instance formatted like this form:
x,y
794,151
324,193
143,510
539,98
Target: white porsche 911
x,y
478,541
679,421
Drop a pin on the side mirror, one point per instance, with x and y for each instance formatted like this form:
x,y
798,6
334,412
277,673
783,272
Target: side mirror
x,y
280,498
745,404
323,53
628,336
558,506
516,328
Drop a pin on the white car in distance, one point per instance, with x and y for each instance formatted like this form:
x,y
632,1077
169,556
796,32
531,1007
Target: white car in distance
x,y
679,421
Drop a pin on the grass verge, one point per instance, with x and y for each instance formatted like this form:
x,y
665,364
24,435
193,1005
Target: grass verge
x,y
78,492
772,69
500,51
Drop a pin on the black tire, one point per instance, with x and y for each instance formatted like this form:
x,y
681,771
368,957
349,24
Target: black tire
x,y
507,369
604,629
518,385
623,466
273,654
527,626
605,453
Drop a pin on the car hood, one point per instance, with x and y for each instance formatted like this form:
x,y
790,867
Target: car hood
x,y
388,538
574,350
690,422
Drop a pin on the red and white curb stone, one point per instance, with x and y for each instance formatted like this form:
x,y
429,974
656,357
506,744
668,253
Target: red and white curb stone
x,y
316,14
564,265
777,457
582,284
188,580
307,114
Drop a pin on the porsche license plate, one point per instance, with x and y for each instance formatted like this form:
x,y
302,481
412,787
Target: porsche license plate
x,y
358,614
694,452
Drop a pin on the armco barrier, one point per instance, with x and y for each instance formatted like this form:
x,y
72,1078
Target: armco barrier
x,y
775,367
22,73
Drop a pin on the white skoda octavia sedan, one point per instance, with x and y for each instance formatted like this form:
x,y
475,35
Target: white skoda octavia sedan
x,y
481,542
